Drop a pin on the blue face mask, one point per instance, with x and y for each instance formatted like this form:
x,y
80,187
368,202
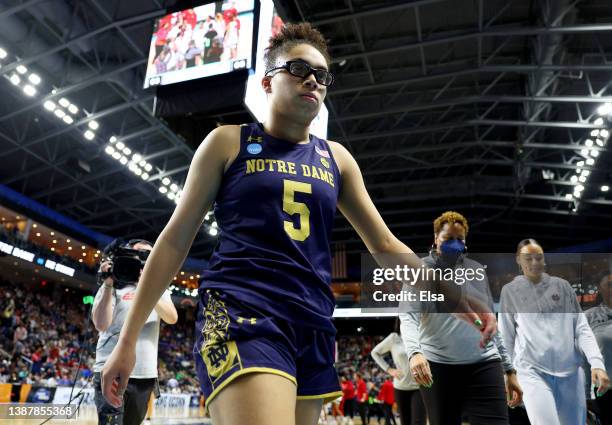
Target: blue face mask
x,y
451,250
452,247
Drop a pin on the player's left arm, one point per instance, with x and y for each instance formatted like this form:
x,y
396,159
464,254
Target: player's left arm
x,y
355,204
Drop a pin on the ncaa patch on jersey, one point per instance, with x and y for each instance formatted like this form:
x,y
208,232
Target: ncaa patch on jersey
x,y
254,148
325,162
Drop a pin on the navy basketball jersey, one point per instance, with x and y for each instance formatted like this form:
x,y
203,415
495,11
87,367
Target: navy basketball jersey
x,y
275,209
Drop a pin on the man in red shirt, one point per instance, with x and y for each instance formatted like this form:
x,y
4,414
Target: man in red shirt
x,y
348,397
386,396
362,398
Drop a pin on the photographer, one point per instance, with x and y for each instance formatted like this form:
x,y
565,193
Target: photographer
x,y
118,276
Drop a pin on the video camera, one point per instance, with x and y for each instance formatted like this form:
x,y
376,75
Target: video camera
x,y
126,262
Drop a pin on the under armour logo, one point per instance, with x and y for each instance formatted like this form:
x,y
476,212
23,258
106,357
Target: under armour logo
x,y
252,320
255,139
217,355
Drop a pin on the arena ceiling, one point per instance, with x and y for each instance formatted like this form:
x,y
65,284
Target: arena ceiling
x,y
484,107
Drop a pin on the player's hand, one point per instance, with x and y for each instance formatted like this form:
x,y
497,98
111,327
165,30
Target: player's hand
x,y
116,372
395,373
513,390
419,368
600,379
478,314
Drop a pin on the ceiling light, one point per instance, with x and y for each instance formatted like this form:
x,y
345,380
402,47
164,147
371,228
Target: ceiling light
x,y
69,248
594,153
580,163
64,102
123,160
117,155
604,133
148,167
21,69
112,139
586,173
598,121
574,179
3,53
604,109
52,233
171,196
584,152
579,188
59,113
588,143
594,133
29,90
137,157
73,109
93,124
599,142
68,119
15,79
163,189
145,176
82,246
38,234
605,188
89,135
577,194
49,106
568,196
138,171
582,179
590,161
165,181
174,187
34,79
127,151
109,150
212,231
120,145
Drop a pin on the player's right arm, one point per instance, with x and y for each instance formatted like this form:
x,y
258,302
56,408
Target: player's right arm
x,y
210,161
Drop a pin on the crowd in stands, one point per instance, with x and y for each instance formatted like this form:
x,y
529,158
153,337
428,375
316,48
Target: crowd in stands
x,y
43,335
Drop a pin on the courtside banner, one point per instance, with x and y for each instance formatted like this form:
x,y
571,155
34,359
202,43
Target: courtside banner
x,y
457,282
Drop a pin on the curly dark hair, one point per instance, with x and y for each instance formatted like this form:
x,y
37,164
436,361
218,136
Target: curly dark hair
x,y
290,36
450,217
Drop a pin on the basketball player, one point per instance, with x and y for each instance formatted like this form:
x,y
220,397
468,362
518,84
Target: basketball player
x,y
265,347
547,334
110,308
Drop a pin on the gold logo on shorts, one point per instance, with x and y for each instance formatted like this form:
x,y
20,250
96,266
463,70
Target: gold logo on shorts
x,y
219,354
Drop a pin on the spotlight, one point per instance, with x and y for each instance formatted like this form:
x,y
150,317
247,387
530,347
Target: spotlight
x,y
117,155
89,135
112,139
594,133
127,151
59,113
73,109
588,143
604,109
212,231
605,188
136,157
120,145
109,150
590,161
584,152
166,181
15,79
68,119
582,179
163,189
594,153
49,106
93,124
574,179
568,196
173,187
3,53
123,160
148,167
604,133
145,176
21,69
598,121
64,102
34,79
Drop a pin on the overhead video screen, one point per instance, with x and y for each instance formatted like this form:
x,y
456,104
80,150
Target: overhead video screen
x,y
211,39
255,98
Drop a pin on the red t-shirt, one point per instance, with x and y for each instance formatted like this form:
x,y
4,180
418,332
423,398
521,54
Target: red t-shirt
x,y
348,390
362,391
386,392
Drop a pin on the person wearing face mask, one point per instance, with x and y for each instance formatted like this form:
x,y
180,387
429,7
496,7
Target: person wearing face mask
x,y
547,334
456,376
600,320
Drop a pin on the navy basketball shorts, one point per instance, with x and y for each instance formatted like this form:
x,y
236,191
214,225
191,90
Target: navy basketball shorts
x,y
234,339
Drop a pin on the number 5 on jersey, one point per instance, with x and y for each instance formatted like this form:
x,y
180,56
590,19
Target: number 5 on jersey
x,y
291,206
